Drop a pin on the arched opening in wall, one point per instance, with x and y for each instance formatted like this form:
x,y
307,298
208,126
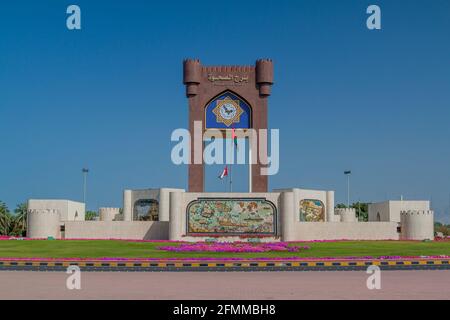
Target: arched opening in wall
x,y
223,113
146,210
378,216
312,210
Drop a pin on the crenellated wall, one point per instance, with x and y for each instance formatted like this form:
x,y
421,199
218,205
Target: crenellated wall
x,y
268,216
108,214
43,223
417,224
346,214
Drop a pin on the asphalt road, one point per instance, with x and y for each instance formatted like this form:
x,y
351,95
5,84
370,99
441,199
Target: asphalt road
x,y
416,284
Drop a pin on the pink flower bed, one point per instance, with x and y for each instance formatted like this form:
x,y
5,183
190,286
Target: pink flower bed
x,y
173,241
235,247
280,259
88,239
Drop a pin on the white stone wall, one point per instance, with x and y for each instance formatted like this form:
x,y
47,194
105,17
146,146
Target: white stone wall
x,y
307,231
346,214
131,230
327,198
180,200
68,210
108,214
288,225
417,224
43,223
379,211
390,210
161,195
127,205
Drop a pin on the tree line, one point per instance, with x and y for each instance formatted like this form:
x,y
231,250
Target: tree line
x,y
361,208
13,223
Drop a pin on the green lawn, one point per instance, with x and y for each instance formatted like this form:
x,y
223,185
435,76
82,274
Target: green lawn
x,y
127,249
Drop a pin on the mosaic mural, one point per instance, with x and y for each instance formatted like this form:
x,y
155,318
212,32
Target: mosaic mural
x,y
312,210
146,210
231,216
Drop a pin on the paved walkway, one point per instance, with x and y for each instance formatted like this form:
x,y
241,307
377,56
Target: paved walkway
x,y
226,285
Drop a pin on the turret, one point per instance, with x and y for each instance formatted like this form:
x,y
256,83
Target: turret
x,y
192,71
264,76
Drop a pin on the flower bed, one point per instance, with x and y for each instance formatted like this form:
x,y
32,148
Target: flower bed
x,y
234,247
365,258
223,235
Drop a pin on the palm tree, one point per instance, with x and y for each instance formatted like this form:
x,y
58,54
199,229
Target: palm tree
x,y
20,219
5,219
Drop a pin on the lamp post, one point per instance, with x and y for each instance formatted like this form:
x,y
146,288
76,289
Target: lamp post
x,y
348,173
85,172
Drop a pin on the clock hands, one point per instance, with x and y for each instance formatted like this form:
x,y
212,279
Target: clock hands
x,y
227,111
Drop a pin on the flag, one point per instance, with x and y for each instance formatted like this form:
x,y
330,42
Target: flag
x,y
224,173
234,137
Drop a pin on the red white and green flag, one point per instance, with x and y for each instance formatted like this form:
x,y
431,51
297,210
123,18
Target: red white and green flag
x,y
234,137
224,173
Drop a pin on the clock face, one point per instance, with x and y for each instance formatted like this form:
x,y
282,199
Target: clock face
x,y
228,111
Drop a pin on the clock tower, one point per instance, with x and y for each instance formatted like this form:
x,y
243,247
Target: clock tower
x,y
227,97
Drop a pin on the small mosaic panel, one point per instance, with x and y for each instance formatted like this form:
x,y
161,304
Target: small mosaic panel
x,y
312,210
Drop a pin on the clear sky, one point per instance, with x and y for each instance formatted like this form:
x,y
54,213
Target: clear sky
x,y
109,95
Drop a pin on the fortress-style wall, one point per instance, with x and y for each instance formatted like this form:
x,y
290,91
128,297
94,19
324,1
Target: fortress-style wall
x,y
390,210
43,223
325,197
289,226
108,214
346,214
68,210
132,230
160,195
306,231
417,224
287,215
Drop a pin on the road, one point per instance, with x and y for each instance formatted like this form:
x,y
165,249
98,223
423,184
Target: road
x,y
432,284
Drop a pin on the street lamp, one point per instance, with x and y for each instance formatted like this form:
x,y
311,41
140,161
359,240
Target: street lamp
x,y
348,173
85,172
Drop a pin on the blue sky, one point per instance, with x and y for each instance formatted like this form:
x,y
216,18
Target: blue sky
x,y
108,96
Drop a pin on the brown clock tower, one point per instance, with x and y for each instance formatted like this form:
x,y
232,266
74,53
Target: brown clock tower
x,y
251,84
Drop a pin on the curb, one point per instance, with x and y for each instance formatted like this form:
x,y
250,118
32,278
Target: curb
x,y
58,265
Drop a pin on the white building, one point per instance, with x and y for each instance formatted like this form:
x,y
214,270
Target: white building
x,y
47,218
390,210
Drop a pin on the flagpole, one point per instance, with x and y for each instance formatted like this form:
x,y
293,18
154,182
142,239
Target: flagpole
x,y
228,180
232,161
249,165
231,180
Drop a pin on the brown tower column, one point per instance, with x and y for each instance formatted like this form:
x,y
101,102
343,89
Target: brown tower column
x,y
203,83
